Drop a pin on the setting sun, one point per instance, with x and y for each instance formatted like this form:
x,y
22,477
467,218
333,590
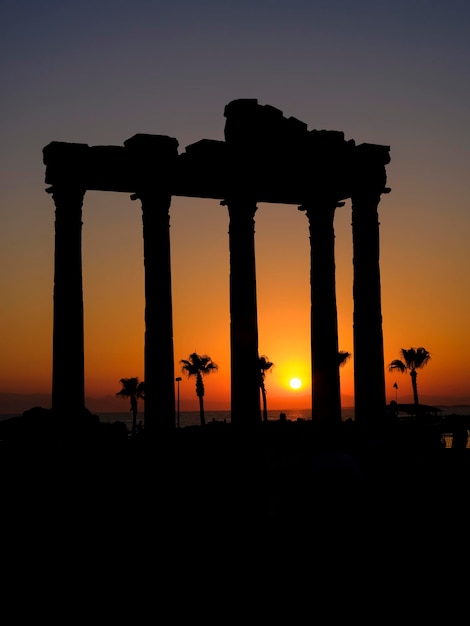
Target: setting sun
x,y
295,383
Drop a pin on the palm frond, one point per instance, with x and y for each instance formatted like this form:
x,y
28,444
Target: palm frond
x,y
343,357
396,364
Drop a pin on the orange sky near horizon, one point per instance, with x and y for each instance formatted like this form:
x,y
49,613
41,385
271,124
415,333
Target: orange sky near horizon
x,y
381,74
114,306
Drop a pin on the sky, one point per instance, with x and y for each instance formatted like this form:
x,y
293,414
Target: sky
x,y
390,73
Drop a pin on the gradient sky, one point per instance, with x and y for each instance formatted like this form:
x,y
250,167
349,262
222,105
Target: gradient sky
x,y
393,73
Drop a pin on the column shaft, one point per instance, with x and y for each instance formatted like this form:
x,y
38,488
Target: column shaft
x,y
369,371
159,404
245,371
68,376
326,398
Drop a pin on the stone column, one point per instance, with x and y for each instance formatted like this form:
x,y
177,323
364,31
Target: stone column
x,y
159,370
326,398
151,161
245,371
68,379
369,369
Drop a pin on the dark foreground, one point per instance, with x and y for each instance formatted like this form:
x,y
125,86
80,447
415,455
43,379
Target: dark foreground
x,y
282,473
212,508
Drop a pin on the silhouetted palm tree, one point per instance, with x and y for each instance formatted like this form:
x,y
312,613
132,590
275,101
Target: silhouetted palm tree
x,y
133,389
199,365
413,359
343,357
264,366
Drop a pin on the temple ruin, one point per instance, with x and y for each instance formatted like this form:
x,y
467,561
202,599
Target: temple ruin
x,y
264,157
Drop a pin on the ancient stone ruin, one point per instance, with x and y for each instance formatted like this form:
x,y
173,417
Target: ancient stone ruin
x,y
265,157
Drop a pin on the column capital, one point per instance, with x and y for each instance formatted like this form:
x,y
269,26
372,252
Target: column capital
x,y
369,177
152,196
67,195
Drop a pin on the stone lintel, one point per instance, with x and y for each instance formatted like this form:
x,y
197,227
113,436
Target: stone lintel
x,y
320,164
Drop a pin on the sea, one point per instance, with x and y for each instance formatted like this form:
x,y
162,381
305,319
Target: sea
x,y
192,418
